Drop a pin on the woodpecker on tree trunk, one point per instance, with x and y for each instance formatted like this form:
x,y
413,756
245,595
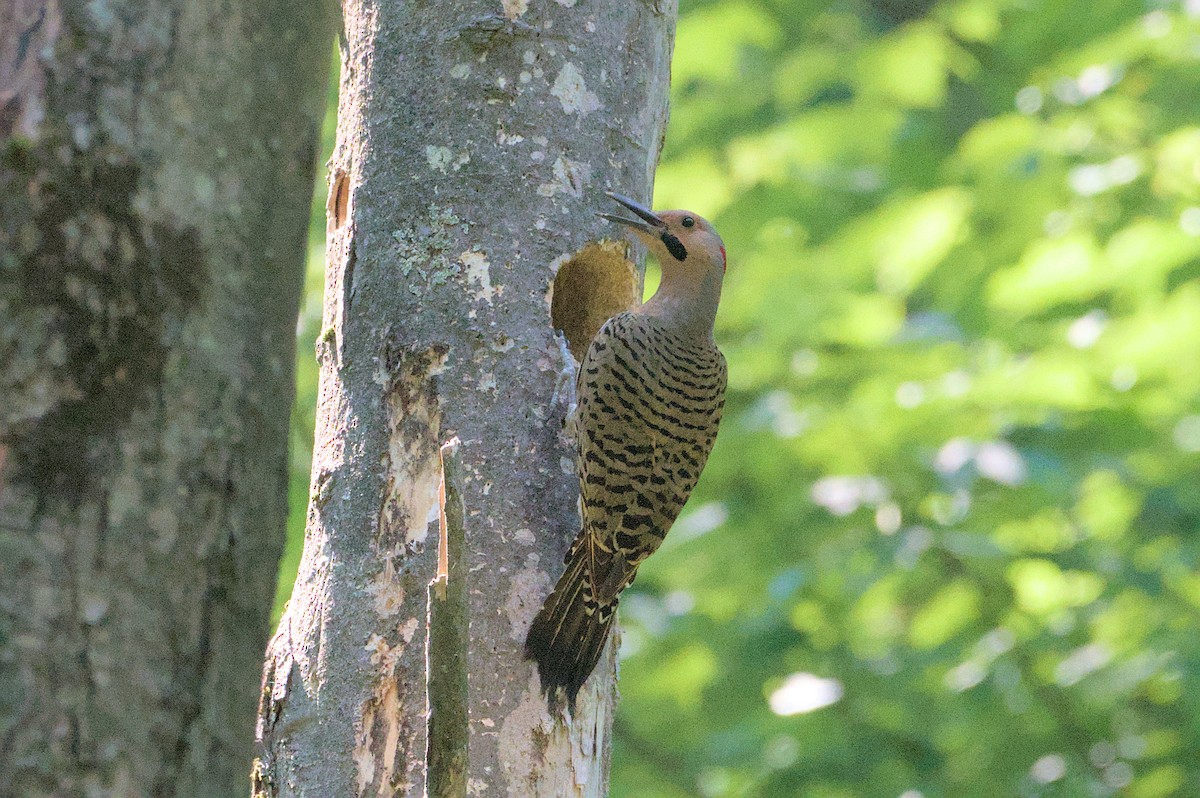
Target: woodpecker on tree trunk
x,y
650,393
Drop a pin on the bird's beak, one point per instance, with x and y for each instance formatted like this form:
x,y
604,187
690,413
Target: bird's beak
x,y
649,222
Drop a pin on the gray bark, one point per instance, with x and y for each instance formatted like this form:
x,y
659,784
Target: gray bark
x,y
156,160
474,141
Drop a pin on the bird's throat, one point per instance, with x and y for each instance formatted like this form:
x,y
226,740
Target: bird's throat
x,y
687,304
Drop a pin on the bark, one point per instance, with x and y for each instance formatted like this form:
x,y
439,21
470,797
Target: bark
x,y
156,159
474,142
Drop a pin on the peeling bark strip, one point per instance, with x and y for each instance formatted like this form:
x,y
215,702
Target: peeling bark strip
x,y
387,742
151,248
475,140
446,746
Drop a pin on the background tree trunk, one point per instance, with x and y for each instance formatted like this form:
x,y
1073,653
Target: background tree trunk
x,y
155,174
474,141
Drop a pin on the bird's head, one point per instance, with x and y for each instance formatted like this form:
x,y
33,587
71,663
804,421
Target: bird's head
x,y
684,243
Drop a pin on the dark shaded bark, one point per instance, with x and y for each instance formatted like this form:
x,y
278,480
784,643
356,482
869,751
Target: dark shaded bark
x,y
155,174
475,140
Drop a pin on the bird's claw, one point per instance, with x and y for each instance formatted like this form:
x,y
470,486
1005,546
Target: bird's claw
x,y
564,384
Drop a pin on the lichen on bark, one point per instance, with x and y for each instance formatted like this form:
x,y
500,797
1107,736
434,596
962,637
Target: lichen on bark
x,y
93,296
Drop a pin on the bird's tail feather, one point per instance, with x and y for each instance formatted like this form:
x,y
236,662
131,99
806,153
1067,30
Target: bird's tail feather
x,y
569,632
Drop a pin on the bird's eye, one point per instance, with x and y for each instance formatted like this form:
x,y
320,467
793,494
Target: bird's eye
x,y
689,221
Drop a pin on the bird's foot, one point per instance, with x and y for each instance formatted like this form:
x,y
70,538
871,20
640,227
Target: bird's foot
x,y
564,385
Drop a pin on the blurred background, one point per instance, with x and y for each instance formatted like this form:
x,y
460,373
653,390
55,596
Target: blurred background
x,y
947,543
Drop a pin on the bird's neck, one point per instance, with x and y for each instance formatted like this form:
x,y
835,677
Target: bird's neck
x,y
686,304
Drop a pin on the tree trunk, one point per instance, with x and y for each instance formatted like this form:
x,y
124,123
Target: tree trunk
x,y
474,141
155,174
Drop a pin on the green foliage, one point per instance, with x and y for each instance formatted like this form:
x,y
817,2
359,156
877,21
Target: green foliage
x,y
308,331
956,480
957,473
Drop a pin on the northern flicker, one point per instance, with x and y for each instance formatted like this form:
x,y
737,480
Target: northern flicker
x,y
650,393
